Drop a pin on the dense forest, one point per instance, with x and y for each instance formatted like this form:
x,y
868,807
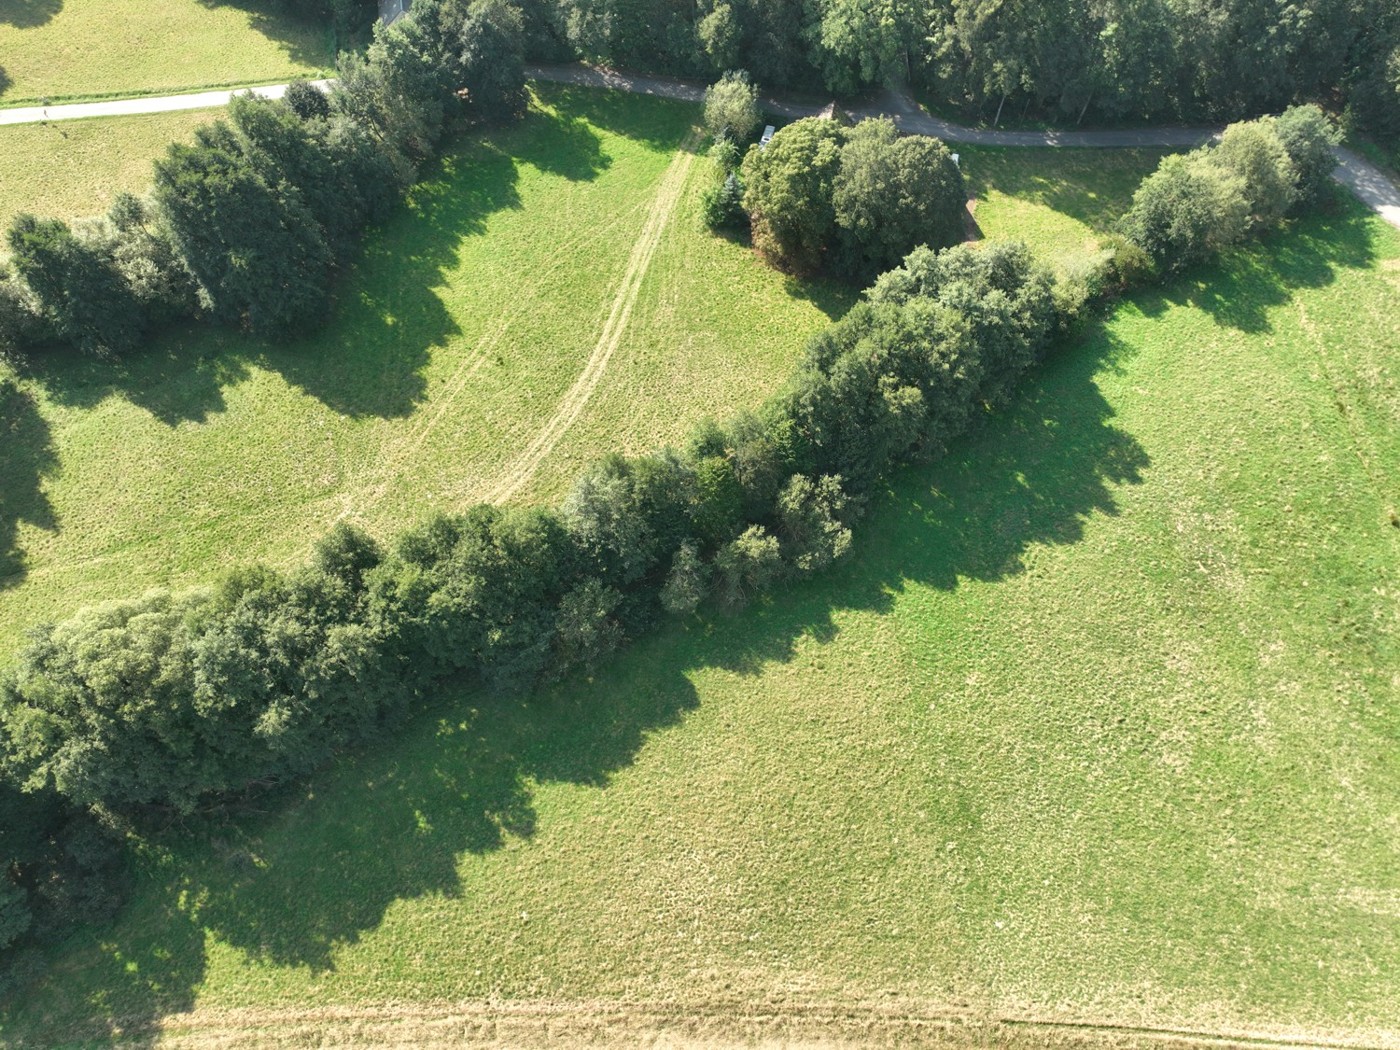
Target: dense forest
x,y
1064,60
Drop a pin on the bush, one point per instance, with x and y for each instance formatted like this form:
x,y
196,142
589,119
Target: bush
x,y
1309,138
891,195
731,107
687,583
1187,210
1255,153
306,100
788,193
746,566
722,204
77,285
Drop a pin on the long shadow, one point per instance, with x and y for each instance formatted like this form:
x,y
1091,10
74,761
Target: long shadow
x,y
660,123
306,42
26,458
322,867
368,360
28,14
1240,291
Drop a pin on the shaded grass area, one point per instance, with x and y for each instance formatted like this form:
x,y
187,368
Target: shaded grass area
x,y
1099,722
71,169
1060,200
457,333
62,49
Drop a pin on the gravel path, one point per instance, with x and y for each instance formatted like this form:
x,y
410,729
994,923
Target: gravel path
x,y
117,107
1362,177
1359,175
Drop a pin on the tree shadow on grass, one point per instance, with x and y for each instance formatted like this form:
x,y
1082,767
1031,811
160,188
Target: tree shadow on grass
x,y
368,359
322,867
1241,289
306,42
28,14
661,124
26,458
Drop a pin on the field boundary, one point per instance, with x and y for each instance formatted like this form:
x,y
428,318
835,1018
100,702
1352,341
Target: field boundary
x,y
700,1024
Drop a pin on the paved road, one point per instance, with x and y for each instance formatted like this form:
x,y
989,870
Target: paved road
x,y
116,107
1360,176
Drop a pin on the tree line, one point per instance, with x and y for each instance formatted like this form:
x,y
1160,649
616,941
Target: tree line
x,y
175,702
249,226
1156,60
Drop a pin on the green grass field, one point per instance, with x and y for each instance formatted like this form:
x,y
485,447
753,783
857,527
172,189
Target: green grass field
x,y
1060,200
66,49
472,356
1098,725
73,168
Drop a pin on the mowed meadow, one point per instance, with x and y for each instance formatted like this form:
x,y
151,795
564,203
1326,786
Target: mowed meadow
x,y
547,297
1097,725
56,50
73,169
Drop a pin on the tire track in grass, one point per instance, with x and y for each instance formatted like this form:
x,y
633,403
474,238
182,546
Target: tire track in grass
x,y
578,396
411,442
713,1024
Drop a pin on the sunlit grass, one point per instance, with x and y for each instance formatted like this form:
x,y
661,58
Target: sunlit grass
x,y
456,336
73,168
52,50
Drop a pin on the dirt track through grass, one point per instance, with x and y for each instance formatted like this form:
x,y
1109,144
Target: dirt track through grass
x,y
725,1023
581,392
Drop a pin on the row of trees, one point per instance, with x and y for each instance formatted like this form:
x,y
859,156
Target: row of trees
x,y
248,226
266,675
179,701
1196,204
1145,59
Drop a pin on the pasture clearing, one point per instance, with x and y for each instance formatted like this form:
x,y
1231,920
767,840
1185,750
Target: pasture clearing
x,y
1098,725
53,50
461,333
1059,200
73,169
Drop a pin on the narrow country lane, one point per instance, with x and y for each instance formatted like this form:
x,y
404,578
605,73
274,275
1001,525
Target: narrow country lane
x,y
1359,175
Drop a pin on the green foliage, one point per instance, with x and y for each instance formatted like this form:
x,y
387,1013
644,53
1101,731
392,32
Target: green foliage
x,y
788,189
891,195
719,33
1255,153
306,100
1309,137
687,583
1187,210
722,203
259,255
77,285
731,107
142,253
747,566
492,63
855,201
811,516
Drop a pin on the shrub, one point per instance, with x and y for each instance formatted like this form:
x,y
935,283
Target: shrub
x,y
1309,137
1255,153
687,583
788,193
1187,210
306,100
76,285
722,203
731,107
809,515
746,566
891,195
